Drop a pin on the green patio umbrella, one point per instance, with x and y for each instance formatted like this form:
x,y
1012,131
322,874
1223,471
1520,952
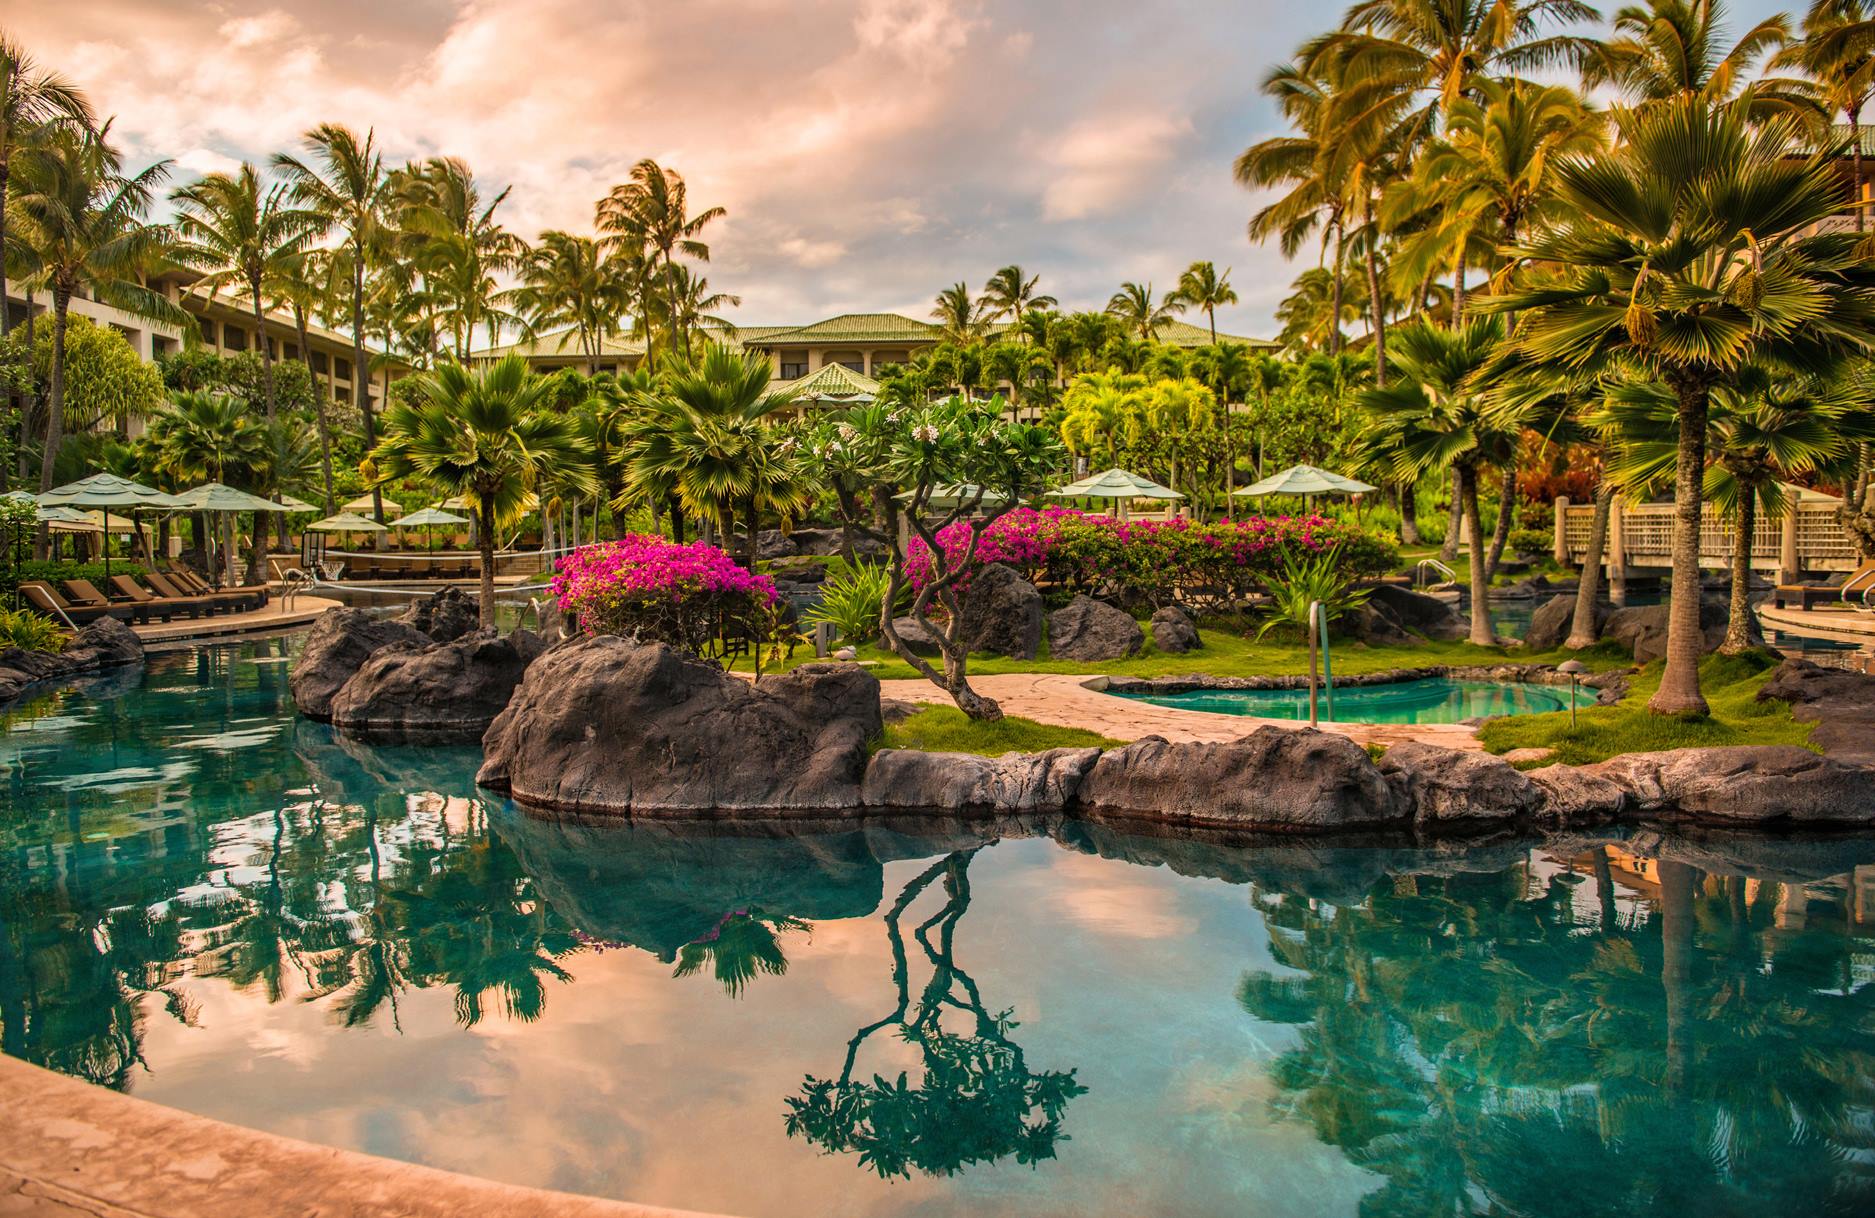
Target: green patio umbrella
x,y
104,492
295,505
363,504
427,519
1305,480
225,500
345,522
1120,485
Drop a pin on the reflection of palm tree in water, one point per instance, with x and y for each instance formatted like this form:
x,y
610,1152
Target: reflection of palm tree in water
x,y
743,943
977,1100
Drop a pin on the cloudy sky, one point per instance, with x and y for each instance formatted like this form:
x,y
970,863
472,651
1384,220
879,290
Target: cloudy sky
x,y
869,151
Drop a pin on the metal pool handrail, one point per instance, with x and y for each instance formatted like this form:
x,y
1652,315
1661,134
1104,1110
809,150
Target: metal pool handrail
x,y
1318,637
1419,571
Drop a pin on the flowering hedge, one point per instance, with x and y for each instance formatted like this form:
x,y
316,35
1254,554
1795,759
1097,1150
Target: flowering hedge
x,y
646,587
1152,561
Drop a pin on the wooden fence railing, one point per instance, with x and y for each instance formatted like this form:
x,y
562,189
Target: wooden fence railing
x,y
1810,538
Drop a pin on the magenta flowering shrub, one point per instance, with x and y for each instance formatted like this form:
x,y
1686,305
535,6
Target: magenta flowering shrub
x,y
646,587
1152,562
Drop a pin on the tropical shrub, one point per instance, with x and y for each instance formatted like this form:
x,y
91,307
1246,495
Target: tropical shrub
x,y
30,631
1304,580
1154,562
851,601
648,588
51,572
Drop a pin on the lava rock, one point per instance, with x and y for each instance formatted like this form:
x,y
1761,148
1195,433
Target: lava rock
x,y
607,725
1549,625
105,643
1376,625
1643,628
448,691
1573,796
1753,784
773,543
340,642
907,779
1524,589
1427,615
918,640
1439,784
1089,630
1001,614
1174,632
445,615
1273,778
1839,702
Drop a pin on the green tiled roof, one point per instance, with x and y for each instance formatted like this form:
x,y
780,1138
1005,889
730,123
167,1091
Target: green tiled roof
x,y
834,381
853,328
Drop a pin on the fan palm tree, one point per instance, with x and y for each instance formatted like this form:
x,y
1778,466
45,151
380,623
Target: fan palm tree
x,y
343,181
1201,287
31,101
1837,53
488,437
1687,265
651,214
567,281
1011,294
83,217
1436,416
1139,311
209,437
237,231
961,318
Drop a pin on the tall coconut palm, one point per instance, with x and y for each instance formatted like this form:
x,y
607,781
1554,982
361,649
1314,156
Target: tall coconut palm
x,y
651,213
488,437
32,100
1011,294
1837,53
305,286
567,281
1202,288
343,181
1688,264
1670,49
452,237
696,307
1436,415
960,317
237,231
83,217
1140,312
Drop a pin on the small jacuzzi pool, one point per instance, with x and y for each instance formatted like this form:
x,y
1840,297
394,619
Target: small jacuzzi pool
x,y
1431,700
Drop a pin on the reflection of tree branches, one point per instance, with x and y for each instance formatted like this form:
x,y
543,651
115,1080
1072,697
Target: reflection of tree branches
x,y
743,943
978,1099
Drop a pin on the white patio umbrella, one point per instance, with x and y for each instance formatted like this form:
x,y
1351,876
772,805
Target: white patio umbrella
x,y
1305,480
1122,486
950,496
106,491
225,501
295,505
362,504
345,522
427,519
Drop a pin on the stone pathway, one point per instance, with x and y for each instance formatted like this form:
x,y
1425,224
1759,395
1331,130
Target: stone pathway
x,y
1061,699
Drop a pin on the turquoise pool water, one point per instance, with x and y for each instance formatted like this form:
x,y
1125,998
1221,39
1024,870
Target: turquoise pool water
x,y
1433,700
210,904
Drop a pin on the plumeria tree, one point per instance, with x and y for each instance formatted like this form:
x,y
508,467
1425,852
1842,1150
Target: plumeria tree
x,y
960,462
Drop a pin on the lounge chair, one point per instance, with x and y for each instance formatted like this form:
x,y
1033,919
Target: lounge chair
x,y
85,595
245,596
1827,592
45,598
163,607
212,602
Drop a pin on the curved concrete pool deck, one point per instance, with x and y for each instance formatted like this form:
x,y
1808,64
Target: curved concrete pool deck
x,y
69,1149
1064,700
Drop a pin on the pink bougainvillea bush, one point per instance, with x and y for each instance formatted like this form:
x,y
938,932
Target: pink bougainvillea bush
x,y
647,587
1151,561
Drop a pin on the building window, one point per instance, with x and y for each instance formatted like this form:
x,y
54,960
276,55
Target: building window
x,y
161,347
208,329
234,338
853,361
342,369
292,351
794,370
319,362
882,358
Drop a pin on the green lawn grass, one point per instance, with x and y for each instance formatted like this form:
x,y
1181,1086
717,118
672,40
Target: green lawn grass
x,y
1731,686
945,729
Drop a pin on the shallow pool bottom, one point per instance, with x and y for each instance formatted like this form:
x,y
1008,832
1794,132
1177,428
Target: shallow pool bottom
x,y
1429,700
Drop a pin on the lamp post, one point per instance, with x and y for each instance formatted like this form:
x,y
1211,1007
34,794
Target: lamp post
x,y
1575,669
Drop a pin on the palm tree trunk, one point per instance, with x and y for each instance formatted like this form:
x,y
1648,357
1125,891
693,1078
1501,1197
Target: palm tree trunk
x,y
361,378
1481,632
1582,631
1334,312
1679,684
1738,616
1458,291
5,174
1855,165
55,407
1448,549
485,543
1409,513
266,348
1677,882
1506,514
319,407
1210,311
1376,304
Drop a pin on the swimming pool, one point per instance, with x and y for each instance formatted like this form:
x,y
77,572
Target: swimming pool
x,y
211,904
1430,700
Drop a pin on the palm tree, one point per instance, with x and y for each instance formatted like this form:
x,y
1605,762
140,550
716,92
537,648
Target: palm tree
x,y
1139,311
305,286
209,437
696,306
1687,265
83,217
651,213
1837,53
961,318
567,281
31,100
1201,287
1675,49
456,243
486,436
1011,294
345,184
1436,416
236,231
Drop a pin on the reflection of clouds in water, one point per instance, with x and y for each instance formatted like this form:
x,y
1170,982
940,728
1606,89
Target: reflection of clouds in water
x,y
1105,898
230,742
